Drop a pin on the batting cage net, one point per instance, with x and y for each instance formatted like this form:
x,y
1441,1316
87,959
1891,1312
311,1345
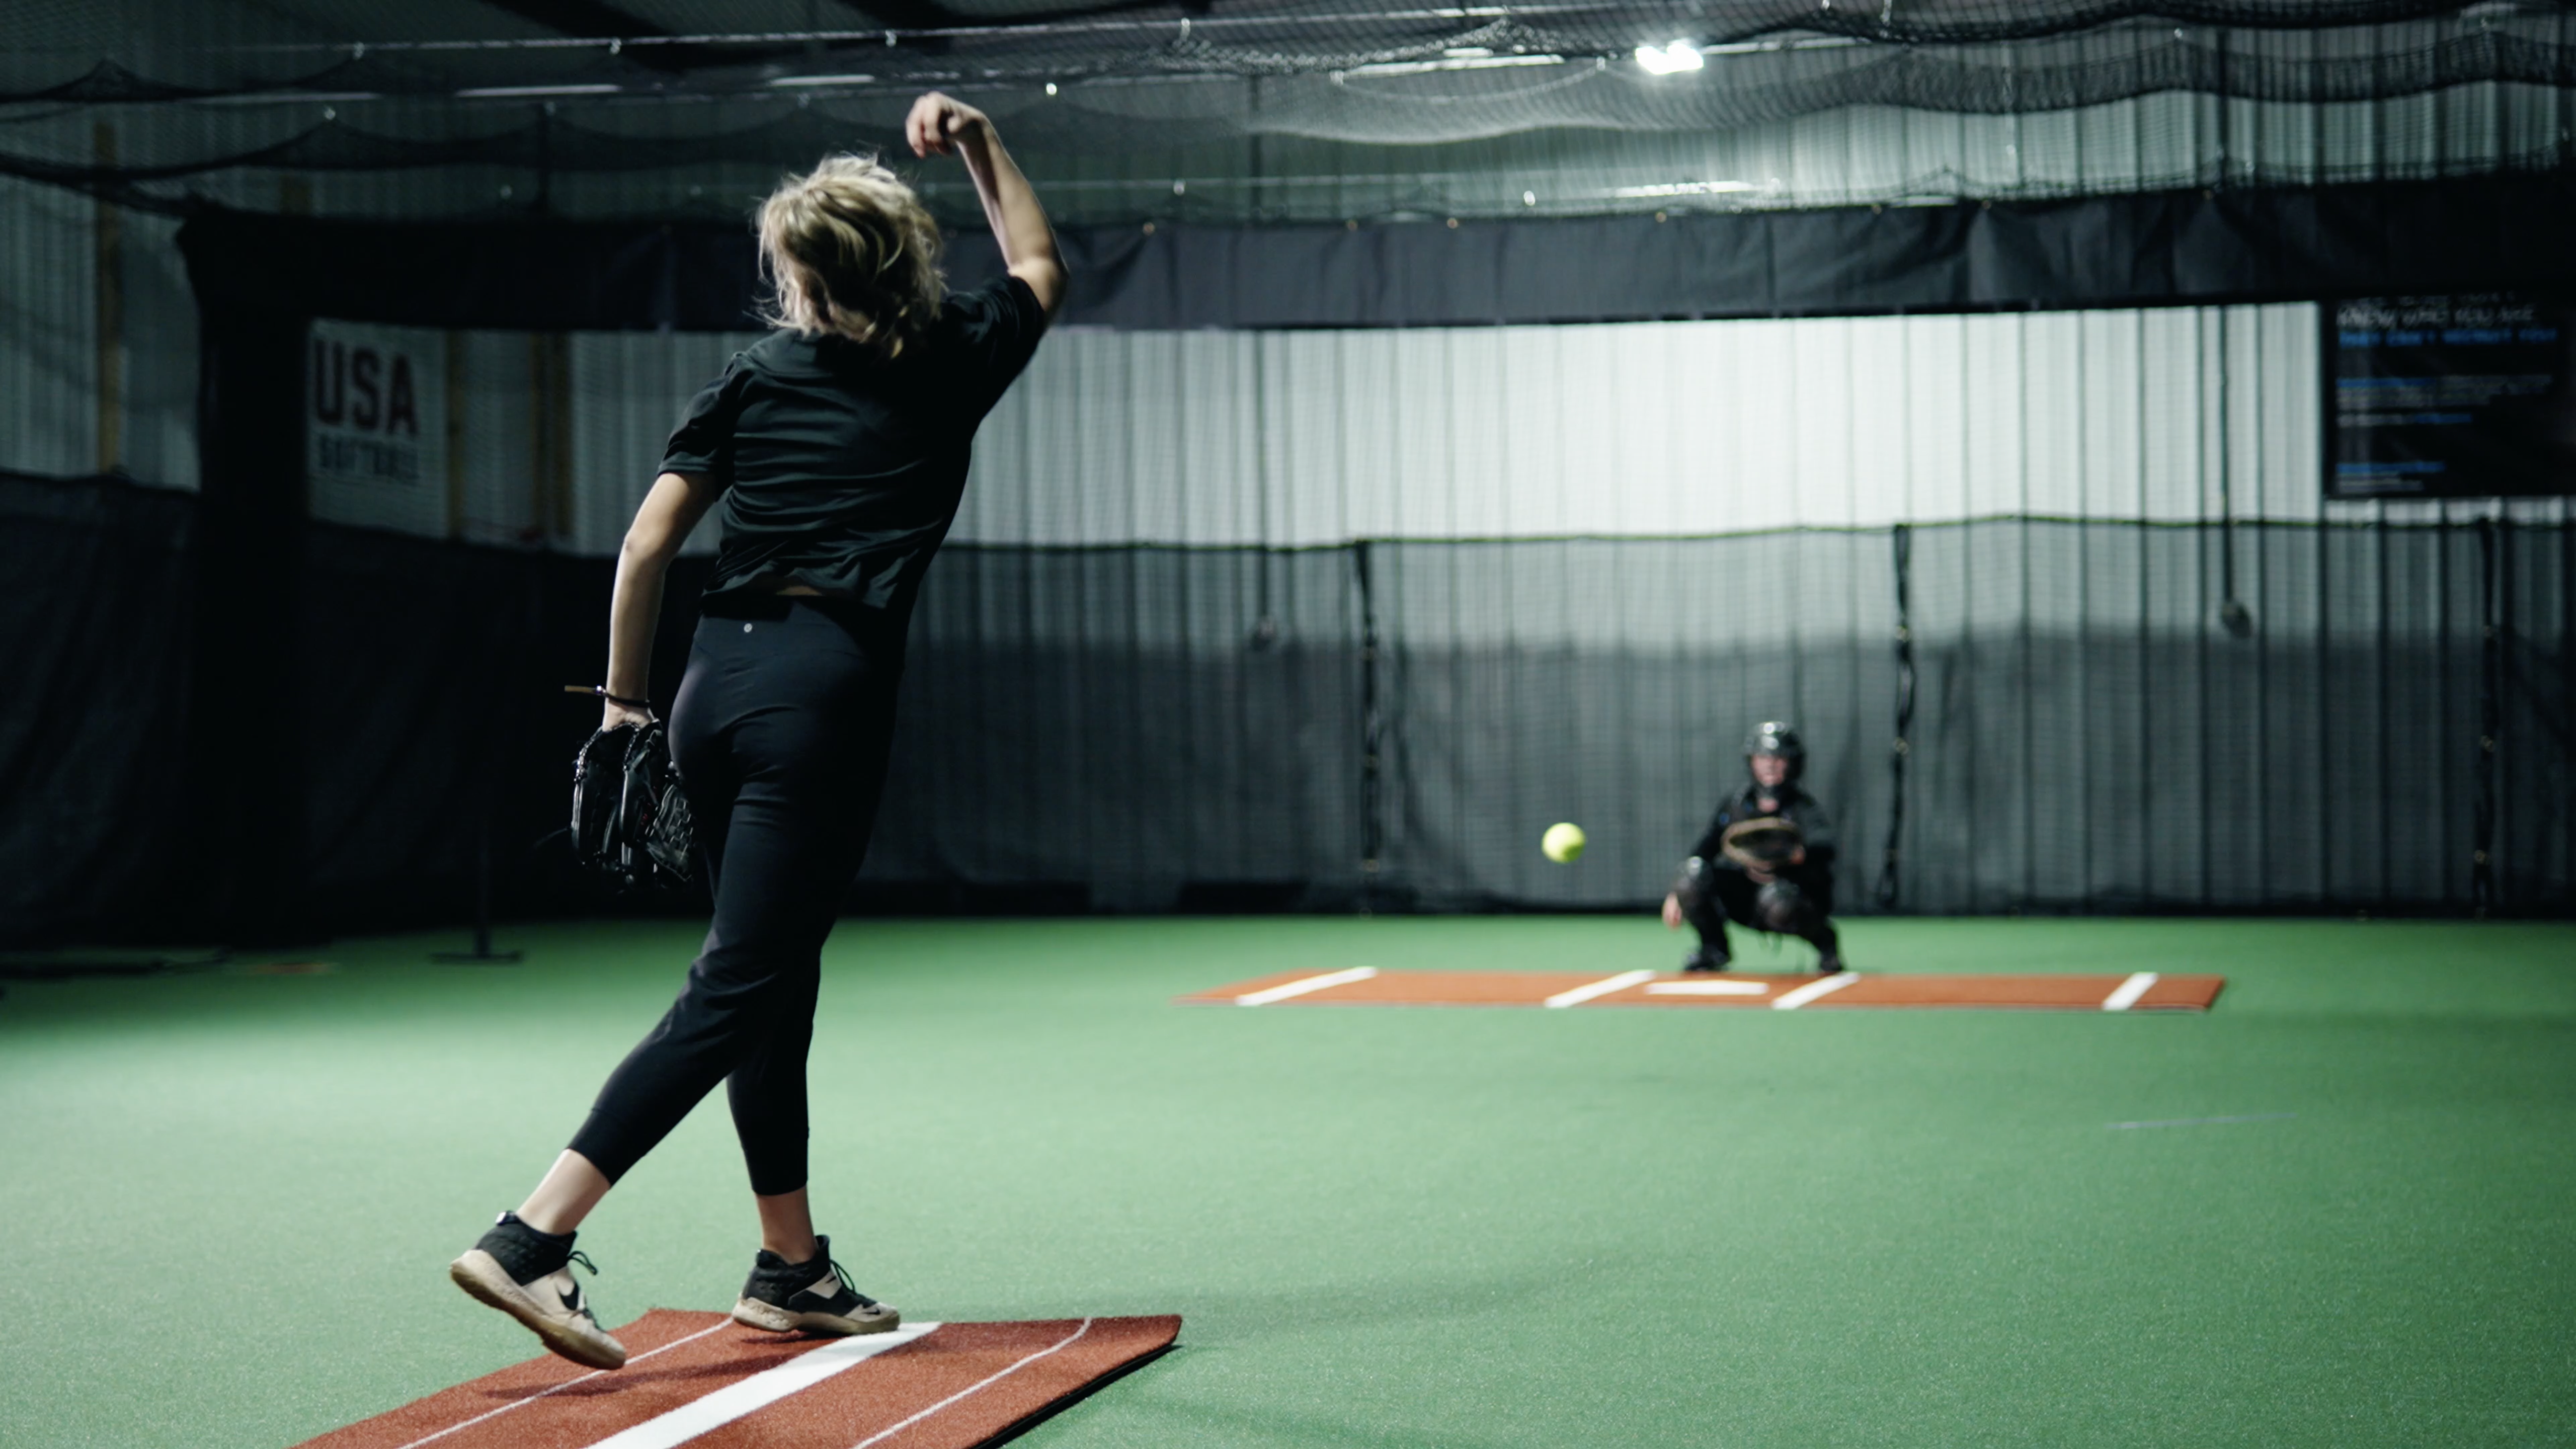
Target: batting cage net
x,y
1346,619
1328,554
1270,110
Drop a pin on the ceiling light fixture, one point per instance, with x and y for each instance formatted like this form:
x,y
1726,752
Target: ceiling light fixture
x,y
502,92
1671,59
1457,62
1685,188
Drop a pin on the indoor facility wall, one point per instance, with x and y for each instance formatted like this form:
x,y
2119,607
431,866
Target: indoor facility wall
x,y
98,340
1296,439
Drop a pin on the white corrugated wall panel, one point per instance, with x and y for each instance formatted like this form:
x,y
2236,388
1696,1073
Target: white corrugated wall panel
x,y
1990,370
629,390
1639,430
160,432
2169,415
496,441
48,331
1930,390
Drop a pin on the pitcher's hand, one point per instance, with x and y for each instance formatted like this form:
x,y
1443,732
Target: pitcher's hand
x,y
939,122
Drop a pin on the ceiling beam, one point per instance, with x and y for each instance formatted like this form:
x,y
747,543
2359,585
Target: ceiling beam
x,y
599,20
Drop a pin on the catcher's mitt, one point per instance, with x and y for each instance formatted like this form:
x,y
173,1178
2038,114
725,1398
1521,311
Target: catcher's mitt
x,y
630,820
1766,843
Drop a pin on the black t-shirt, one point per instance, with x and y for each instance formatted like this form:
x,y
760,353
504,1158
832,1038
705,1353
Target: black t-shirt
x,y
841,469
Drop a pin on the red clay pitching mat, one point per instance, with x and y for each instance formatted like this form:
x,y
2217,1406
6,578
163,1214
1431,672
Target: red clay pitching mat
x,y
1368,986
701,1379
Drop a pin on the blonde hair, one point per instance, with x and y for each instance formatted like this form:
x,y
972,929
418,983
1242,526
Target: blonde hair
x,y
852,253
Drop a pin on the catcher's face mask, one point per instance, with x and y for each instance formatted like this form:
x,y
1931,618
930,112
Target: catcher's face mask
x,y
1769,771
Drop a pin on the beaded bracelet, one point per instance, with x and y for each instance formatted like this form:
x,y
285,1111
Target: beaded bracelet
x,y
602,691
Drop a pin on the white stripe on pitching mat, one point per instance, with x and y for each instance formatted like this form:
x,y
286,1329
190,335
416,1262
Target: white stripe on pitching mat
x,y
1602,987
568,1383
1821,986
1707,988
892,1429
1324,982
2129,992
734,1400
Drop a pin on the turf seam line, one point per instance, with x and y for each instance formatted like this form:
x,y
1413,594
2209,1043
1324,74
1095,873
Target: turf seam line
x,y
1324,982
713,1410
2129,992
1603,987
558,1388
2206,1121
971,1389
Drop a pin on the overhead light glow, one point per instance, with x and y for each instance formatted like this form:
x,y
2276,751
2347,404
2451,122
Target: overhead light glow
x,y
1684,188
1671,59
1449,62
492,92
821,80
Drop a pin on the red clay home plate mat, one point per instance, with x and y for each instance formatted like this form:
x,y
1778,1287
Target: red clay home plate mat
x,y
1368,986
701,1379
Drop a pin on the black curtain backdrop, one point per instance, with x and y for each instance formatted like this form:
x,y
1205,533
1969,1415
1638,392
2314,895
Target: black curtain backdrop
x,y
2138,250
99,633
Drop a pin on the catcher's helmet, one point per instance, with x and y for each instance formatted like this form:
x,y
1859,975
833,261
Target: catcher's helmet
x,y
1776,737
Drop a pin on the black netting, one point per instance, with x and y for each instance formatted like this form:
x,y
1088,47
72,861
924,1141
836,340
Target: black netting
x,y
711,86
1383,725
2090,734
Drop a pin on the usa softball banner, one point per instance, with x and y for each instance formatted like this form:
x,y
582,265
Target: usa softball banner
x,y
375,426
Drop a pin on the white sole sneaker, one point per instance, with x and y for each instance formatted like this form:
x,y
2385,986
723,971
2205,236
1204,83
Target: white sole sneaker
x,y
811,1297
551,1307
874,1318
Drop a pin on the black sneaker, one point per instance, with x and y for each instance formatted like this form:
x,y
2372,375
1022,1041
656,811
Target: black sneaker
x,y
815,1296
1829,961
528,1275
1706,960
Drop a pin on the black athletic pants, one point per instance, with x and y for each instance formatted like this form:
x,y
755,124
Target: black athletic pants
x,y
780,734
1800,905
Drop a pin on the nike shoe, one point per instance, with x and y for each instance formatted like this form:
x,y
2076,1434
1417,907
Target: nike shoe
x,y
815,1296
528,1275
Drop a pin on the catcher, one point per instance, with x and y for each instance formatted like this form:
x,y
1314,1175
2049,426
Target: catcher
x,y
1766,860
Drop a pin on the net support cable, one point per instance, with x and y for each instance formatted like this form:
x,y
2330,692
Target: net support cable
x,y
1901,555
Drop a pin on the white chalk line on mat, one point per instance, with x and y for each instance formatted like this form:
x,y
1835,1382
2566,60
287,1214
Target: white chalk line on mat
x,y
713,1411
1603,987
1325,982
2129,991
1821,986
557,1389
976,1388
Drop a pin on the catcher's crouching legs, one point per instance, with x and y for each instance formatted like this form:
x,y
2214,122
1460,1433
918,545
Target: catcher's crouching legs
x,y
1695,888
1784,907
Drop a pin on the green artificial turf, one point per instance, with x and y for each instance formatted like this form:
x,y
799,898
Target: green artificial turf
x,y
227,1199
